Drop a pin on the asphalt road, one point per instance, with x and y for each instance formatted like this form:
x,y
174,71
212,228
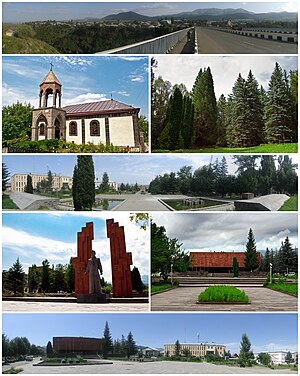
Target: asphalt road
x,y
218,42
160,367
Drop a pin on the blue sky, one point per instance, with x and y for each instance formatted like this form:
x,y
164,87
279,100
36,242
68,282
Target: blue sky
x,y
84,79
26,11
126,168
229,231
36,237
266,331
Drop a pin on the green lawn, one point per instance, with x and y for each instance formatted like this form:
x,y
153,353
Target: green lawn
x,y
287,288
291,204
162,287
7,203
223,294
264,148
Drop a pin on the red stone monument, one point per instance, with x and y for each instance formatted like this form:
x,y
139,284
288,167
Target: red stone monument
x,y
120,260
84,252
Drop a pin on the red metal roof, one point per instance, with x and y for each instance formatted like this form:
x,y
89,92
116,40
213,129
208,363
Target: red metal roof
x,y
98,107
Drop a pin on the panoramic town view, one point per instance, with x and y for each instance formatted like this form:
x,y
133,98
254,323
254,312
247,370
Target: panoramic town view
x,y
149,187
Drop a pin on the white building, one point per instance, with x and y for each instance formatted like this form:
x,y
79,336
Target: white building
x,y
19,181
196,349
278,357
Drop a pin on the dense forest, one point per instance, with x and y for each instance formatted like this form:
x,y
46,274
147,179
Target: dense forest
x,y
258,174
249,116
82,38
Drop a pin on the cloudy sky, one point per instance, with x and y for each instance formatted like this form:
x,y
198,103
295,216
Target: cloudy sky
x,y
229,231
267,332
36,237
126,168
84,79
39,11
178,69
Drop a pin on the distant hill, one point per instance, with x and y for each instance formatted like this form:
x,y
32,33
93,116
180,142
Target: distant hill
x,y
208,14
127,16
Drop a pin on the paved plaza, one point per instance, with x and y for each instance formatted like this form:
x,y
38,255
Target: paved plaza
x,y
185,298
19,306
159,367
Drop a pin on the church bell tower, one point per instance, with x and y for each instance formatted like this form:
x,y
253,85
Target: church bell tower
x,y
49,120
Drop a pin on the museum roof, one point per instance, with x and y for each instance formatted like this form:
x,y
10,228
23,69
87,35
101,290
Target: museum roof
x,y
50,78
100,107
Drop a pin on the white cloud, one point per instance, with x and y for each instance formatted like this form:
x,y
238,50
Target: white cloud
x,y
12,95
138,78
85,98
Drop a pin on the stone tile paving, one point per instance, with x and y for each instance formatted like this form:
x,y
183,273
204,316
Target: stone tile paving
x,y
261,299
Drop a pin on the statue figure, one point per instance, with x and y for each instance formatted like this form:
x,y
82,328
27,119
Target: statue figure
x,y
93,268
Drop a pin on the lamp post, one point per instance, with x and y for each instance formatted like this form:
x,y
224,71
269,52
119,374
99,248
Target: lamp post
x,y
172,274
271,266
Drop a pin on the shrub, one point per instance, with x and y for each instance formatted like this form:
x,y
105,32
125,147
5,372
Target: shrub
x,y
223,294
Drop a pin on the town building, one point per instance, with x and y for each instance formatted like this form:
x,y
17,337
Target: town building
x,y
107,122
77,345
217,261
199,350
149,352
278,357
19,181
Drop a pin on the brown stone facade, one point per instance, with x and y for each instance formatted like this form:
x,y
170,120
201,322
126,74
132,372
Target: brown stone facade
x,y
80,345
84,252
52,119
120,260
217,261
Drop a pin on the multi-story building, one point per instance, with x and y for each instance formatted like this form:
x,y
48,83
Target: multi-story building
x,y
19,181
199,350
278,357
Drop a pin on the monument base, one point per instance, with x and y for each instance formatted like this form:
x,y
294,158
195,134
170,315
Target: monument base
x,y
92,298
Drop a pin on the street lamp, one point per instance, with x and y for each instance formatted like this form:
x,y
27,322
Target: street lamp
x,y
172,274
271,266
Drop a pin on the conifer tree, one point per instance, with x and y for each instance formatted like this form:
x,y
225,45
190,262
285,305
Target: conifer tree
x,y
107,345
251,259
221,121
175,120
246,353
5,176
83,189
278,117
16,278
286,259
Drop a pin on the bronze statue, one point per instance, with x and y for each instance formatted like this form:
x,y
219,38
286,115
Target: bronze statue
x,y
93,268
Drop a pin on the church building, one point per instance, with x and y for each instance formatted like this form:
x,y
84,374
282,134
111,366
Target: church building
x,y
107,122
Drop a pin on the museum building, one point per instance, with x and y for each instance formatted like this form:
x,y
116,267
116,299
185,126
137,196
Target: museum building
x,y
218,262
107,122
77,345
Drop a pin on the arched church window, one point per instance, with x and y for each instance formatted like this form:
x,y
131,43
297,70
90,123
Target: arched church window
x,y
94,128
73,128
42,129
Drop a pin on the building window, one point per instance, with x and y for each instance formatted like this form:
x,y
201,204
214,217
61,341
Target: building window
x,y
42,129
73,128
94,128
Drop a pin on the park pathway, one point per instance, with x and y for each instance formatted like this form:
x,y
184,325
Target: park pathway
x,y
141,202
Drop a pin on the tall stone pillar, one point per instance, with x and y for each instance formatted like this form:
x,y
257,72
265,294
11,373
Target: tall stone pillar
x,y
54,99
120,260
84,252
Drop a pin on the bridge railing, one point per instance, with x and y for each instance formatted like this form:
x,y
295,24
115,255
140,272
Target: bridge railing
x,y
159,45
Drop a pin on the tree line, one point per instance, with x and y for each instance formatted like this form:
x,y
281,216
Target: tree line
x,y
257,174
249,116
19,347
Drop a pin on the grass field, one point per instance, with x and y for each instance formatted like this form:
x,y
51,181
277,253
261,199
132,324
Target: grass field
x,y
160,288
287,288
7,203
265,148
291,204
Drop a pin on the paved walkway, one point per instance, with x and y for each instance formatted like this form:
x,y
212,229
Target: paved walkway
x,y
25,201
9,306
268,202
141,202
185,298
159,367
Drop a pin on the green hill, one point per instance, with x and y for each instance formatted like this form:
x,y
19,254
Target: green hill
x,y
22,41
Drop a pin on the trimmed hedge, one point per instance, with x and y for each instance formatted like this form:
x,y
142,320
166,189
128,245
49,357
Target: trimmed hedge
x,y
223,294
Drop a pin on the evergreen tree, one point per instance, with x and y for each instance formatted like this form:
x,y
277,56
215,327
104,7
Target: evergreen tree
x,y
235,267
130,345
34,278
49,349
246,354
46,276
104,187
177,349
107,341
137,283
175,119
184,176
188,121
278,116
266,261
5,176
16,278
70,277
205,109
289,358
28,187
49,181
83,189
285,255
221,121
267,174
251,259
